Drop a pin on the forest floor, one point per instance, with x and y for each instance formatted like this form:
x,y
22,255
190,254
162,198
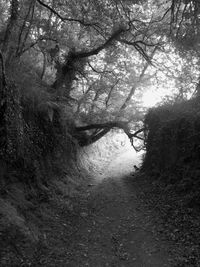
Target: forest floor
x,y
119,218
114,227
118,229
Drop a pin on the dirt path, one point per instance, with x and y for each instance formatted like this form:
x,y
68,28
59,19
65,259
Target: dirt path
x,y
117,229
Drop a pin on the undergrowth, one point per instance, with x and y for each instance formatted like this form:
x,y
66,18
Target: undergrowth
x,y
42,171
39,166
172,165
173,148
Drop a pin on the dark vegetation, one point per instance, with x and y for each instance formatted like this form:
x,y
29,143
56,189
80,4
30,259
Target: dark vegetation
x,y
173,147
172,163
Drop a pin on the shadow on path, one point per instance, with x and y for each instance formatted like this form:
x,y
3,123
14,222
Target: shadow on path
x,y
117,229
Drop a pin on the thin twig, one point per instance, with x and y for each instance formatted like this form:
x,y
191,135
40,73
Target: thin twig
x,y
3,69
86,24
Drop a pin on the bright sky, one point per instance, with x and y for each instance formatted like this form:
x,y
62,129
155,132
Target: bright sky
x,y
154,95
161,85
150,98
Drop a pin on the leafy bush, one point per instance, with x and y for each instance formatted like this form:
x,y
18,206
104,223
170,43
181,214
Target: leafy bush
x,y
173,146
37,165
37,135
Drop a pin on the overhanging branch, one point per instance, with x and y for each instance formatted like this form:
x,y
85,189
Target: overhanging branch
x,y
104,128
117,124
68,70
114,36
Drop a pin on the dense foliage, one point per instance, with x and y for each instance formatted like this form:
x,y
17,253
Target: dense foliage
x,y
94,60
173,144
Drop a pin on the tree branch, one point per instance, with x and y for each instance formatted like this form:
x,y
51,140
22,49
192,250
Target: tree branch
x,y
68,70
117,124
3,70
98,136
98,71
95,51
64,18
110,92
138,47
36,42
106,127
134,87
135,134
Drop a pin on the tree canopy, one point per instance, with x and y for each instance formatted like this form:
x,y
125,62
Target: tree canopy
x,y
97,58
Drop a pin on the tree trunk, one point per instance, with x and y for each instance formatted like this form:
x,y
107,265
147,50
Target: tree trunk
x,y
75,62
65,76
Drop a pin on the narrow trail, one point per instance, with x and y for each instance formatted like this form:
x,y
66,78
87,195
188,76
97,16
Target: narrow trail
x,y
117,229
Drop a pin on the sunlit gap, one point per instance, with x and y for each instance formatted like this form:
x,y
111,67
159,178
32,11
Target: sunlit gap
x,y
150,99
167,78
153,97
112,157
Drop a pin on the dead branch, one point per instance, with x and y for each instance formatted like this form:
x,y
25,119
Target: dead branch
x,y
135,134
